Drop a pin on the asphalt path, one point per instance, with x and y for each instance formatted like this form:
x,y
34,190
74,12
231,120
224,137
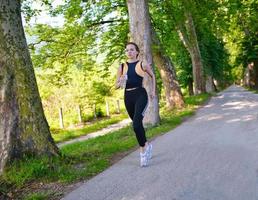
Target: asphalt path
x,y
101,132
211,156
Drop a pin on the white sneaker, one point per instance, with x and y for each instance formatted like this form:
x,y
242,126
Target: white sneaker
x,y
144,159
149,151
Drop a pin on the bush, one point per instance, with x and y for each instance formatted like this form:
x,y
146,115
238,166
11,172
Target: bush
x,y
99,112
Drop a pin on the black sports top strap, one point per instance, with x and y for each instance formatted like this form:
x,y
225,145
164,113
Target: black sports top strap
x,y
142,67
122,66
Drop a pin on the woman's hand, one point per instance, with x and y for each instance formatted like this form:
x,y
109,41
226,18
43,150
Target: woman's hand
x,y
121,83
119,77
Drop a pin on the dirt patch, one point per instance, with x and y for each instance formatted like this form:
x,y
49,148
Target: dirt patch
x,y
53,191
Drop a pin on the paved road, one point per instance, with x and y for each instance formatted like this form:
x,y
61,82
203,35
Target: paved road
x,y
211,156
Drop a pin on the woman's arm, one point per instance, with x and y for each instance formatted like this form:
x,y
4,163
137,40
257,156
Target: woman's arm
x,y
118,76
148,70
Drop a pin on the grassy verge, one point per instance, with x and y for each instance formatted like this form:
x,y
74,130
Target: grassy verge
x,y
251,90
83,160
64,135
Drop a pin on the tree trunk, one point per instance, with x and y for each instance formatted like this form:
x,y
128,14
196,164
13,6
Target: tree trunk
x,y
23,126
189,39
174,97
199,83
209,84
252,71
140,32
190,87
247,77
256,74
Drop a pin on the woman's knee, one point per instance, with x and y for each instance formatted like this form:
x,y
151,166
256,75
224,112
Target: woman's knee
x,y
137,125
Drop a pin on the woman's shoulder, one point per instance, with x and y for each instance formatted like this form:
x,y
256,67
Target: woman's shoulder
x,y
142,64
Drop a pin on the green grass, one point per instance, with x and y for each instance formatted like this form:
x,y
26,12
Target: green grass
x,y
37,196
251,90
196,100
82,160
64,135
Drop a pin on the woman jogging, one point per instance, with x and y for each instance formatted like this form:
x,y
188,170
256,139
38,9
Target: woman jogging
x,y
130,76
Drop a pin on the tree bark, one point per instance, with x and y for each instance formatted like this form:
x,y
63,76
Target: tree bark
x,y
188,36
190,87
252,75
256,74
174,97
209,84
140,33
23,126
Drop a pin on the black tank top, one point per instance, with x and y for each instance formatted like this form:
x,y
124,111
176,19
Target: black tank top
x,y
134,80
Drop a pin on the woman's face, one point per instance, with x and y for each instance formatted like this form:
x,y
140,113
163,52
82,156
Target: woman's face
x,y
131,51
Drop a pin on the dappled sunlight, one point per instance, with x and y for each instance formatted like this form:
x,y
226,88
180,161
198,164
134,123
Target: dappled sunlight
x,y
209,117
220,96
213,117
228,110
233,120
236,105
243,118
209,105
249,117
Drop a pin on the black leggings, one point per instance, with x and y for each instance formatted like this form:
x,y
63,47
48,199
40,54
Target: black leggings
x,y
136,103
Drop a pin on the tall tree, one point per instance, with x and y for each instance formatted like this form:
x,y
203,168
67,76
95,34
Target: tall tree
x,y
23,127
140,32
236,21
167,41
179,13
246,17
188,36
174,97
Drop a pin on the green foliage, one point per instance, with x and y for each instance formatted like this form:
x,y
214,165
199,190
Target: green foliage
x,y
80,90
215,57
163,16
249,48
99,113
76,64
240,33
30,12
170,16
69,60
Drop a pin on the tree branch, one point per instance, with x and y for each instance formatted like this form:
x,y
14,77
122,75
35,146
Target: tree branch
x,y
105,22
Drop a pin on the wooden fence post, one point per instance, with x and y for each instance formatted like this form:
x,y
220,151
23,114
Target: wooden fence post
x,y
107,108
94,111
61,118
118,106
79,113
